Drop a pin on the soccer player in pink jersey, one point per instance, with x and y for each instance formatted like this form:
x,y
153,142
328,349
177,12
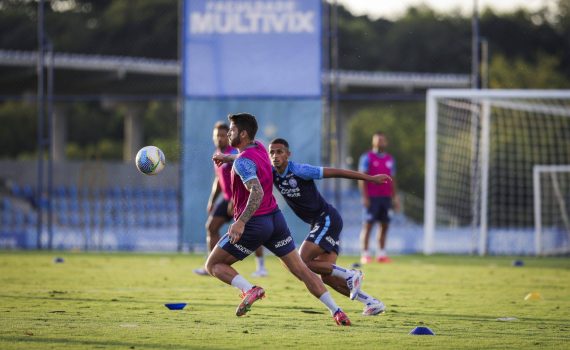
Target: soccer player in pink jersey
x,y
221,212
377,199
258,221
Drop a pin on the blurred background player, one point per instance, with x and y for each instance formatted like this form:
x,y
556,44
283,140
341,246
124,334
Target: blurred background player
x,y
221,212
377,199
321,246
258,221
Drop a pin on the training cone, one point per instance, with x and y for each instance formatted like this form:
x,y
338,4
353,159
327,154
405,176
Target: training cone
x,y
422,331
175,306
518,263
533,296
58,260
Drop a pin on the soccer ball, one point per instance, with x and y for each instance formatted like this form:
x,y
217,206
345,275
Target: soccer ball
x,y
150,160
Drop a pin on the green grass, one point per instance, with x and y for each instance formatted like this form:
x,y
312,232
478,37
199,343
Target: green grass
x,y
115,301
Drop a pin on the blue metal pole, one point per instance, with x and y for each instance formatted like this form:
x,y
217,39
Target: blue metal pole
x,y
40,109
50,88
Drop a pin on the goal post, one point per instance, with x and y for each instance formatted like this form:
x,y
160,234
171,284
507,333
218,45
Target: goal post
x,y
481,149
551,189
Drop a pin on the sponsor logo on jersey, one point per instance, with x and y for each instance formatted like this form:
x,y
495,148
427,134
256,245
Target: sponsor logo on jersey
x,y
293,183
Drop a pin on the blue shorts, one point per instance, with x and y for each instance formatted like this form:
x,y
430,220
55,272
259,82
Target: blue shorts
x,y
221,210
378,210
269,230
325,230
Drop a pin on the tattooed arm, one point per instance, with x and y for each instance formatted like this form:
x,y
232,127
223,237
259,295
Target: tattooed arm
x,y
247,170
254,200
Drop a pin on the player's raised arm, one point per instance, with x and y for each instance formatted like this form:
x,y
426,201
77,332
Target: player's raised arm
x,y
221,158
355,175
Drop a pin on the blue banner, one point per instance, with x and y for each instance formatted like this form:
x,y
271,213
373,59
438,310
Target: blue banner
x,y
299,122
256,48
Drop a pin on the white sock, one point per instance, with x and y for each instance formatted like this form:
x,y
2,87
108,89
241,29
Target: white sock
x,y
365,298
338,271
260,260
327,299
365,253
241,283
381,252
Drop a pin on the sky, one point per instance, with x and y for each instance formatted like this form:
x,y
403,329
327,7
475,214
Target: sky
x,y
394,8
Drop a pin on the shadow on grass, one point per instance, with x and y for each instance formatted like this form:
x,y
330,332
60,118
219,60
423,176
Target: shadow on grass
x,y
104,343
91,300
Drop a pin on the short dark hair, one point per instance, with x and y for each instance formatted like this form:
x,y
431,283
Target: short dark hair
x,y
244,121
280,141
221,125
379,133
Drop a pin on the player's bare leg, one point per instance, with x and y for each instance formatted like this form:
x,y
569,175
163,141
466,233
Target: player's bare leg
x,y
314,284
364,238
213,226
346,282
382,236
219,265
324,264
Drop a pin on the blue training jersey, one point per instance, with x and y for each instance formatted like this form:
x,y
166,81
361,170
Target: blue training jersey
x,y
298,187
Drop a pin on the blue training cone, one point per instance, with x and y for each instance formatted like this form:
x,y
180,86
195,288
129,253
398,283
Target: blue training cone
x,y
175,306
518,263
58,260
422,331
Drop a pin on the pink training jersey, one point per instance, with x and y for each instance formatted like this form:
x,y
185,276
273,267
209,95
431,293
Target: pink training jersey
x,y
255,165
379,164
224,174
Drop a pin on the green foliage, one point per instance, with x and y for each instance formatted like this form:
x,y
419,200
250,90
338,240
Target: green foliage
x,y
116,301
520,74
403,124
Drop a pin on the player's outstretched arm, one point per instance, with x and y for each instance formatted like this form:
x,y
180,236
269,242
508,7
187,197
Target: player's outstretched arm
x,y
355,175
221,158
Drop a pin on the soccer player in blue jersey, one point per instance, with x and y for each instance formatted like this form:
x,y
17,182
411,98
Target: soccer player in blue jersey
x,y
321,247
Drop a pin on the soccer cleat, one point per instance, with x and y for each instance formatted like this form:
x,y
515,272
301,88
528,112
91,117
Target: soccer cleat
x,y
340,318
383,259
374,308
248,298
354,283
260,273
201,272
365,259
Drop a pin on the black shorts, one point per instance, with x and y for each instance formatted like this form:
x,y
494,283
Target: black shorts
x,y
379,210
325,230
269,230
221,210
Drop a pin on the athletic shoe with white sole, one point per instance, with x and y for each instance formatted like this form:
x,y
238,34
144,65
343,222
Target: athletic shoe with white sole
x,y
354,283
374,308
248,298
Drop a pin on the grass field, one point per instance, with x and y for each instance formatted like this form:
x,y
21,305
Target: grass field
x,y
115,301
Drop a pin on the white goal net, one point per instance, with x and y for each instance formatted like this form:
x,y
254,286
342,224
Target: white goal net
x,y
552,209
482,147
